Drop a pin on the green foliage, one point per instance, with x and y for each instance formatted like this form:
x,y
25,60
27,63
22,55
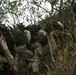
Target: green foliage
x,y
59,55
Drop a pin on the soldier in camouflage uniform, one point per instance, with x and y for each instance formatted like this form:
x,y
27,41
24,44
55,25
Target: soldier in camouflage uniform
x,y
7,56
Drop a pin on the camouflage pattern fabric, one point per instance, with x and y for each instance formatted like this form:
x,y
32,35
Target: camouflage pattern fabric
x,y
5,50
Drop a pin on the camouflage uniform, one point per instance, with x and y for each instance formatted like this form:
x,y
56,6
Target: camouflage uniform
x,y
6,51
8,63
35,60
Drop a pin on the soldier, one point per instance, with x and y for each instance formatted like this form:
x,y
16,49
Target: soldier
x,y
4,51
8,63
36,59
9,39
